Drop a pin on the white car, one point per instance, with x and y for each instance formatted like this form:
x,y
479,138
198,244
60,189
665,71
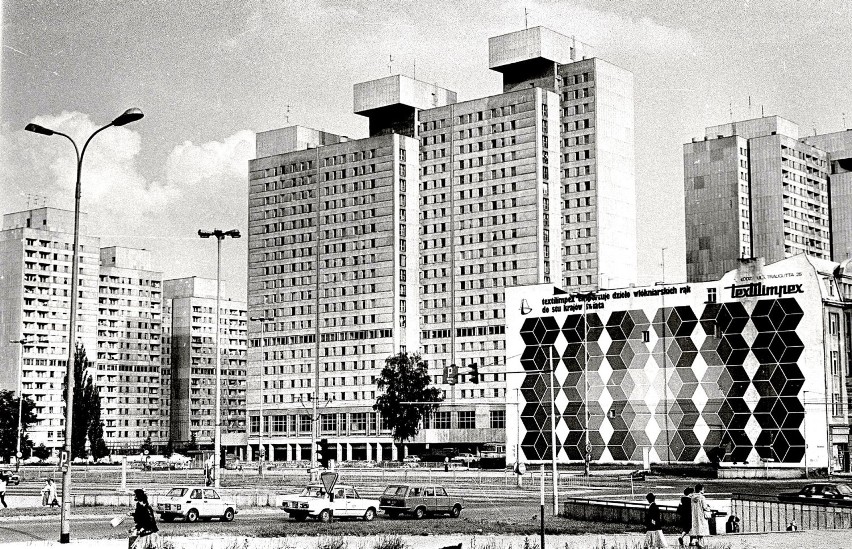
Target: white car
x,y
314,502
467,459
194,502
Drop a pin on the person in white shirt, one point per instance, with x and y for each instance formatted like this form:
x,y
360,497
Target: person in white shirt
x,y
48,494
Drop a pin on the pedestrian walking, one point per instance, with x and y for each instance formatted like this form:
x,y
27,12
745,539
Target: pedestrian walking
x,y
48,494
654,538
701,513
3,481
684,515
145,525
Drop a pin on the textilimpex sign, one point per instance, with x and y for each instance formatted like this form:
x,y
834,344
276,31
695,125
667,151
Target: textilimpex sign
x,y
679,372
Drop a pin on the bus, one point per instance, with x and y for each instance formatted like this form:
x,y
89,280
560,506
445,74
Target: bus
x,y
492,455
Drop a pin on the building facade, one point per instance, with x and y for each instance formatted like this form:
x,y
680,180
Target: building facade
x,y
192,305
754,189
129,348
838,146
596,148
750,369
118,324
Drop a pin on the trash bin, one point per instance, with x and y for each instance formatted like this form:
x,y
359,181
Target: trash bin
x,y
712,520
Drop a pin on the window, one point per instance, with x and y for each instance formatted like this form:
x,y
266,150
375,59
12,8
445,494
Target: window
x,y
833,323
467,419
498,419
441,420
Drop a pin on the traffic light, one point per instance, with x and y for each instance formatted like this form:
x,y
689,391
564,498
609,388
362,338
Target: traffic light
x,y
323,452
474,373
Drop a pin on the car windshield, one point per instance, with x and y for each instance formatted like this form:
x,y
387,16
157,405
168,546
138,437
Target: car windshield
x,y
395,491
176,492
313,492
844,489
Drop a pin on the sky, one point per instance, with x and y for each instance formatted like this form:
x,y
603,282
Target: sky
x,y
209,74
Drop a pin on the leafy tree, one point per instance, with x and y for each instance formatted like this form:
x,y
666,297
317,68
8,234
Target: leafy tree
x,y
87,403
96,440
9,423
192,445
41,451
170,449
407,396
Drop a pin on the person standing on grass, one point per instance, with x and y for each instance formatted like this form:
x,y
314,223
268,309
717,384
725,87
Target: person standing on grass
x,y
700,515
654,538
684,515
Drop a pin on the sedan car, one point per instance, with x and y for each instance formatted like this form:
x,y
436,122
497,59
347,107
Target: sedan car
x,y
828,492
419,500
467,459
343,502
194,502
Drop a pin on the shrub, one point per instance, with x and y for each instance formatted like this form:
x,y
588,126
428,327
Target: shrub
x,y
390,542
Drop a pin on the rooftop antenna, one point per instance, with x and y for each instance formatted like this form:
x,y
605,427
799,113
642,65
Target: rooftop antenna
x,y
415,68
843,114
814,126
761,111
390,64
731,110
287,115
526,12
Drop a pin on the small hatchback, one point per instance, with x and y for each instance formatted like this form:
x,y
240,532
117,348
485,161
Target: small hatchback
x,y
194,502
419,500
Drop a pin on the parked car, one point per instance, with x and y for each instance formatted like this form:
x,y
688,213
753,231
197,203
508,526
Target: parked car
x,y
411,461
194,502
419,500
12,478
314,502
467,459
831,492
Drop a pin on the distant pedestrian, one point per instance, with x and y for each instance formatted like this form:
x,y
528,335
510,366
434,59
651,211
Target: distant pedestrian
x,y
792,527
684,515
3,480
654,538
145,524
701,514
48,494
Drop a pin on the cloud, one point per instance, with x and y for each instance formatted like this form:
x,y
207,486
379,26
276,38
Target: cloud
x,y
200,185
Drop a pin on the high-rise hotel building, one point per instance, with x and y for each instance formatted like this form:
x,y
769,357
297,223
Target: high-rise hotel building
x,y
333,274
595,115
754,189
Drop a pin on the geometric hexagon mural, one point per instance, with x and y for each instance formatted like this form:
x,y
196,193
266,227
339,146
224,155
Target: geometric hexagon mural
x,y
678,381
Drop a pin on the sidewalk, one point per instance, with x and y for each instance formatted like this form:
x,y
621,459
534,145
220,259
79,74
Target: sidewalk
x,y
814,539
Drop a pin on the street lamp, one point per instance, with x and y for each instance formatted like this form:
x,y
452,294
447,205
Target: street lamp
x,y
128,116
217,434
260,451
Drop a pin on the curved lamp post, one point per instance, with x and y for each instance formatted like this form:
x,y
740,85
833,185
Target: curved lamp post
x,y
219,235
130,115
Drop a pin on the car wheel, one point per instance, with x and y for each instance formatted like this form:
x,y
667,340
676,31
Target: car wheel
x,y
370,514
192,515
325,516
420,512
455,511
228,516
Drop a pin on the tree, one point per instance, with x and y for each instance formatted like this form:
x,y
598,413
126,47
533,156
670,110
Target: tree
x,y
170,449
96,440
407,396
87,403
9,424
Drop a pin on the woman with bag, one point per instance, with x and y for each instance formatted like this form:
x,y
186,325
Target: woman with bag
x,y
654,538
145,523
701,513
